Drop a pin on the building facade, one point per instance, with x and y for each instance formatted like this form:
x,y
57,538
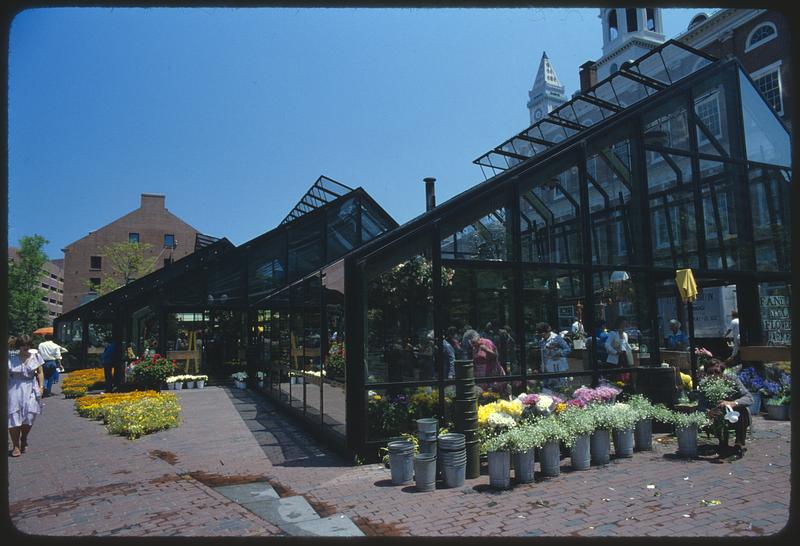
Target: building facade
x,y
760,39
52,286
170,238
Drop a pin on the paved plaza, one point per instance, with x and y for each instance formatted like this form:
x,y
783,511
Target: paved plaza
x,y
238,467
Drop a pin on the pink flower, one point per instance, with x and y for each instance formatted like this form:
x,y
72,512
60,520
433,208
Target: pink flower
x,y
530,399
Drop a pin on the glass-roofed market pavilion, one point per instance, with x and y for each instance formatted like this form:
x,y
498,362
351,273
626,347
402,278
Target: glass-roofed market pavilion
x,y
675,161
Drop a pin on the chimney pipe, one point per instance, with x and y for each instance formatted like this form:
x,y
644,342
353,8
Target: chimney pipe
x,y
588,75
430,193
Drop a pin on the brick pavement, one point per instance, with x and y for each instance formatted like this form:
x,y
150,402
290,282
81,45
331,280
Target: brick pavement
x,y
159,485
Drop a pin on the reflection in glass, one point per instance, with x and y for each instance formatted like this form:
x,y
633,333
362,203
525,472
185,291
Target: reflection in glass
x,y
769,202
399,319
610,180
766,140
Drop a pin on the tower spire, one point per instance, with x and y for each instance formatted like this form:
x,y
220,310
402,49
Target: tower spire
x,y
547,92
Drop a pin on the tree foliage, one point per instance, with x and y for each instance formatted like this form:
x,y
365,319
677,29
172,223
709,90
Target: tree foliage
x,y
25,309
128,261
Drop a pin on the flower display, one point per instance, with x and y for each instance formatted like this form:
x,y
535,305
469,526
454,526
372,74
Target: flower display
x,y
78,382
96,406
600,394
335,364
500,420
141,416
152,372
537,404
239,376
487,397
511,408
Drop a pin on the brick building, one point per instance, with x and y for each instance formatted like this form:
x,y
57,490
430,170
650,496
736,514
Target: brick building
x,y
52,285
171,239
759,38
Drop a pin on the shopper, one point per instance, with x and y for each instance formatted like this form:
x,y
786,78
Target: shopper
x,y
25,386
108,358
617,345
554,351
677,339
484,356
733,333
51,354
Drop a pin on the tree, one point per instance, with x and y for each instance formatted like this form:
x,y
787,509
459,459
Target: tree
x,y
128,262
25,309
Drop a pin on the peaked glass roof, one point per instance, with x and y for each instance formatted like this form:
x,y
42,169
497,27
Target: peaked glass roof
x,y
322,192
654,71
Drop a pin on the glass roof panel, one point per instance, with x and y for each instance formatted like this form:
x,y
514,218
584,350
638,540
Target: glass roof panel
x,y
322,192
643,77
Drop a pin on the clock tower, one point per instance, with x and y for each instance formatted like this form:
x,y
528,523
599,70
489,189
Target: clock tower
x,y
547,92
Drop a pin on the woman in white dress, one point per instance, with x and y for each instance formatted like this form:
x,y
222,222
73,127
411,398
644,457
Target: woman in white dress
x,y
25,382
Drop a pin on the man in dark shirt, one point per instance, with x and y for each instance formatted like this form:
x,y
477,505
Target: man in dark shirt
x,y
108,359
740,401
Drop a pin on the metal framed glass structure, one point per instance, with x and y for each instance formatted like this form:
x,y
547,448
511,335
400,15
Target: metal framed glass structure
x,y
675,161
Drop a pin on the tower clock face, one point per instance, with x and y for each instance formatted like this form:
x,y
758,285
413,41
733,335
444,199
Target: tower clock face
x,y
538,113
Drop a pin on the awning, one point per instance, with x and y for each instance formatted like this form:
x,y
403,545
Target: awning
x,y
43,331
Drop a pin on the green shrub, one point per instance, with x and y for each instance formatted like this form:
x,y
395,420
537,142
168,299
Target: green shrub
x,y
152,373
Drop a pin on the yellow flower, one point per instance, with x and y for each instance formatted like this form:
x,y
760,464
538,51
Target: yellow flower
x,y
686,381
561,406
377,397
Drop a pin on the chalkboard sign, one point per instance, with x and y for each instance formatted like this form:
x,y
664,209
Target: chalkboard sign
x,y
776,319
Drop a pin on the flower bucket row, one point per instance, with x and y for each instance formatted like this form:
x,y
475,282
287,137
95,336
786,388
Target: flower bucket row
x,y
545,427
772,395
79,382
177,382
132,414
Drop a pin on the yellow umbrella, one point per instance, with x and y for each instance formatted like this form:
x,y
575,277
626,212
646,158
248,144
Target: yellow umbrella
x,y
686,285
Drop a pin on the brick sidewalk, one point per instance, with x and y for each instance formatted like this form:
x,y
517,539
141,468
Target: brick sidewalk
x,y
76,479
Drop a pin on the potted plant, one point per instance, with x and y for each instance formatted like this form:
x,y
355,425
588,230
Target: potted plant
x,y
713,390
779,403
552,434
239,379
754,383
201,381
522,442
624,421
190,381
578,425
260,378
498,448
646,412
179,382
600,439
171,381
686,428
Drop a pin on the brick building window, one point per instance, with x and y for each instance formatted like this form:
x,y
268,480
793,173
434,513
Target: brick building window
x,y
95,262
169,240
760,36
95,282
133,238
768,81
44,299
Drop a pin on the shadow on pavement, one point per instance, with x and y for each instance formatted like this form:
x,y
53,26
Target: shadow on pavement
x,y
283,442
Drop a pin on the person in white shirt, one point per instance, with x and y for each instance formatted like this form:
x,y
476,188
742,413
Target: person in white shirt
x,y
25,384
733,332
617,344
51,354
577,328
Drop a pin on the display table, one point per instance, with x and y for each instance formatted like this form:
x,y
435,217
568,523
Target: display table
x,y
766,353
676,359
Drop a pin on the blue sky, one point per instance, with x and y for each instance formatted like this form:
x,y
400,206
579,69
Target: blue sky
x,y
234,113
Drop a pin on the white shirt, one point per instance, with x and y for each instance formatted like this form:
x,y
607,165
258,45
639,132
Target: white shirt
x,y
734,328
616,345
577,327
50,350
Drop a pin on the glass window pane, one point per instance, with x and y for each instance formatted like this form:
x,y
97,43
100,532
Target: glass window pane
x,y
712,112
393,411
550,216
266,267
305,248
481,300
770,195
672,215
610,182
666,126
765,137
478,233
723,247
225,282
555,297
399,316
342,229
622,296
